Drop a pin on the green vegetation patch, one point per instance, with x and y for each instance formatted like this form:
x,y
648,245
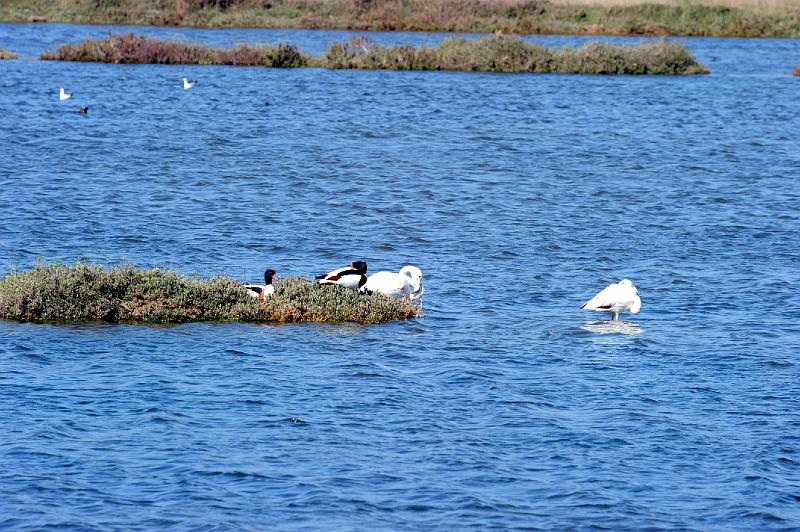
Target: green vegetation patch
x,y
490,54
130,48
83,292
510,54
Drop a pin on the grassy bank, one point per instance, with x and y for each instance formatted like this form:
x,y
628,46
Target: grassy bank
x,y
736,19
490,54
127,294
4,54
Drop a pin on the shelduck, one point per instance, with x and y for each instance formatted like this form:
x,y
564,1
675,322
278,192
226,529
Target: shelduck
x,y
351,276
267,289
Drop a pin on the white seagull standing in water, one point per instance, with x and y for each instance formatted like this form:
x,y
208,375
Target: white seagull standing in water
x,y
267,289
352,276
63,95
404,285
188,84
616,298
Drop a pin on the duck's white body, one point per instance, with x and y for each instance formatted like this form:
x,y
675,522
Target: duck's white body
x,y
262,291
616,298
404,285
259,290
63,95
352,276
188,84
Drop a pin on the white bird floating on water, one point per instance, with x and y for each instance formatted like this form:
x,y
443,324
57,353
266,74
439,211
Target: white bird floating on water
x,y
267,289
404,285
616,298
352,276
188,84
63,95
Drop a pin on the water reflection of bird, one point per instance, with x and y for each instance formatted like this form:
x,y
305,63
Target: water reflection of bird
x,y
404,285
616,298
62,95
351,276
188,84
267,289
612,327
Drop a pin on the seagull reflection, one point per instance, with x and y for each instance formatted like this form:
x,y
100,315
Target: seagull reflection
x,y
612,327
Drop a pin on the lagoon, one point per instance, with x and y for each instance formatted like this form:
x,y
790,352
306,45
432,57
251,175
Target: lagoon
x,y
519,197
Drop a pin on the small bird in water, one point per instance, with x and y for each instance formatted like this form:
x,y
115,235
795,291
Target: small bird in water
x,y
267,289
352,276
616,298
188,84
82,110
62,95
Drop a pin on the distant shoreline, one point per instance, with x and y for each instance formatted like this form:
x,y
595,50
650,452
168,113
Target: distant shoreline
x,y
602,17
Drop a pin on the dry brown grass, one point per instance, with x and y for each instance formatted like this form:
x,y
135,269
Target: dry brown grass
x,y
719,18
782,4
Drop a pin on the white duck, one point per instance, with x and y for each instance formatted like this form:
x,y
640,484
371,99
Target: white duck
x,y
62,95
404,285
267,289
352,276
188,84
616,298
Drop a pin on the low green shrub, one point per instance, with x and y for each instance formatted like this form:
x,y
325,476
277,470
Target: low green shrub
x,y
127,294
510,54
130,48
490,54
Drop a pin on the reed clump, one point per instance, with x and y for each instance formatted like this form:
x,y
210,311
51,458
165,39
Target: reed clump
x,y
5,54
509,54
56,293
130,48
741,18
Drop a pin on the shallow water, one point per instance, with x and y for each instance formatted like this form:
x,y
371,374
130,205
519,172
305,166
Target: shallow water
x,y
519,196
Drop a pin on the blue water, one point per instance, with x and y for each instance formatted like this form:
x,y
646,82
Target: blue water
x,y
504,406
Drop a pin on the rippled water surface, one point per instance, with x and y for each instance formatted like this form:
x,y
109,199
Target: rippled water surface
x,y
519,196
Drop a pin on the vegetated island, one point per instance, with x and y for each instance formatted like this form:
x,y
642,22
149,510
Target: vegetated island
x,y
740,18
489,54
4,54
56,293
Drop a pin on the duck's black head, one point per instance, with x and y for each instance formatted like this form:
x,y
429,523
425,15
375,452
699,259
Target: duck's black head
x,y
270,276
360,266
